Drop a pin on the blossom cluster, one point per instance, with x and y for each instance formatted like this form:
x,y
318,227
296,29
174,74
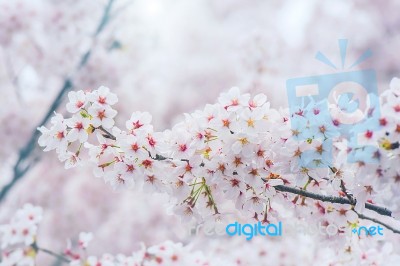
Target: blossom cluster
x,y
230,156
20,248
211,151
90,111
18,236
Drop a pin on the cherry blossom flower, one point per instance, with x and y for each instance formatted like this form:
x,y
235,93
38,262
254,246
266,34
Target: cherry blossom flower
x,y
22,228
139,121
255,203
77,101
342,215
79,127
20,257
84,239
233,100
55,137
133,147
121,176
258,101
103,97
102,115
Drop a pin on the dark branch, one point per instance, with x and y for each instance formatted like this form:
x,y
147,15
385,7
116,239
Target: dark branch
x,y
106,133
362,216
49,252
333,199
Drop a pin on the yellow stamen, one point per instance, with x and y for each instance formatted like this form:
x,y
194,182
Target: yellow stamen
x,y
385,144
244,141
250,122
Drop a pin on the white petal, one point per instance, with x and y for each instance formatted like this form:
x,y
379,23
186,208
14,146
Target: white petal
x,y
108,122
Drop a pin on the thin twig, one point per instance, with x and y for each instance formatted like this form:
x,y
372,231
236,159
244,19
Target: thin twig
x,y
349,200
107,134
49,252
58,256
344,190
332,199
362,216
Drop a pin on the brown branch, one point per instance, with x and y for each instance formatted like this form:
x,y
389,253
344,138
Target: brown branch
x,y
332,199
344,190
107,134
349,200
362,216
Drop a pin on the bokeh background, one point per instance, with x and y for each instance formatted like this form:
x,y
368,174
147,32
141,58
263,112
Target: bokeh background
x,y
167,57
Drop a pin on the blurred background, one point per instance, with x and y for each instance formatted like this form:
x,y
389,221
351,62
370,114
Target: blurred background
x,y
167,57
